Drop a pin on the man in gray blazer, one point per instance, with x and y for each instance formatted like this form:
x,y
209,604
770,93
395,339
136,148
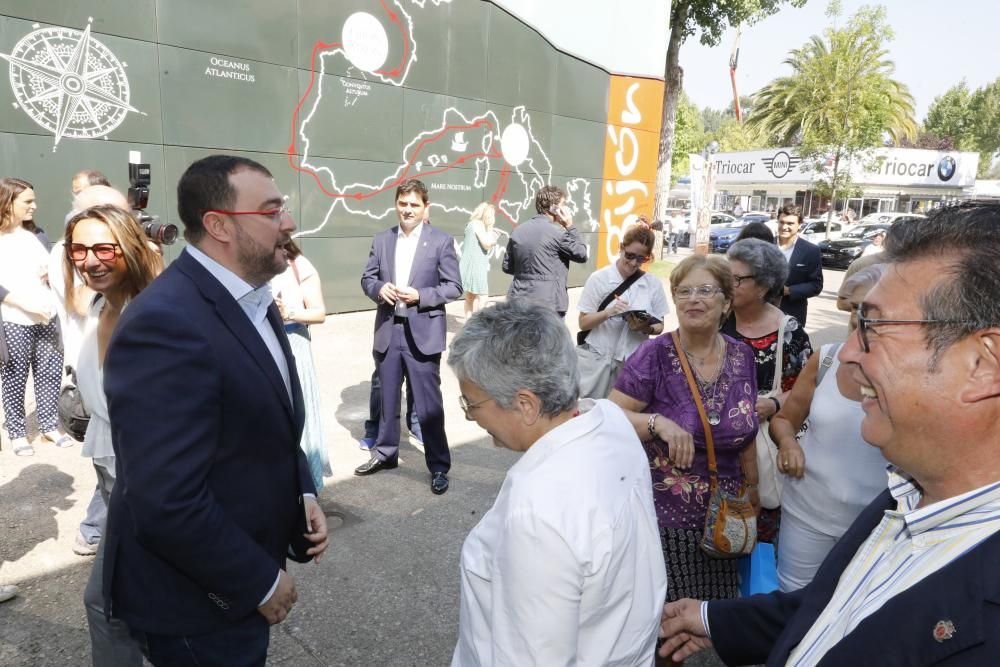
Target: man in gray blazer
x,y
540,250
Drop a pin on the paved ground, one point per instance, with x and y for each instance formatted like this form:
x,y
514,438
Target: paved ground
x,y
387,591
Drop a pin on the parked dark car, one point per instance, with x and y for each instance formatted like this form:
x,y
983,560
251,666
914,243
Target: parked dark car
x,y
841,252
722,236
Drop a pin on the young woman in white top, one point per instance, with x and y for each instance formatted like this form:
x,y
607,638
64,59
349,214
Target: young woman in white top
x,y
832,472
614,336
107,249
29,325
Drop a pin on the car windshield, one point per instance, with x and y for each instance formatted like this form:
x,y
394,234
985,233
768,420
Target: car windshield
x,y
861,231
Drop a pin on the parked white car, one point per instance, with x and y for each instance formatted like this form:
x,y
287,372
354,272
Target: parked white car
x,y
814,231
889,217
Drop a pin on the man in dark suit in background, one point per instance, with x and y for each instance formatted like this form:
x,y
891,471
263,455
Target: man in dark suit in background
x,y
539,252
412,273
914,580
805,270
213,491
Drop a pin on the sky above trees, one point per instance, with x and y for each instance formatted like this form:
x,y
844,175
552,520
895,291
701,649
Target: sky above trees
x,y
936,45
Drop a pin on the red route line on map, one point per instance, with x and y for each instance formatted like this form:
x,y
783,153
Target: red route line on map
x,y
320,46
406,44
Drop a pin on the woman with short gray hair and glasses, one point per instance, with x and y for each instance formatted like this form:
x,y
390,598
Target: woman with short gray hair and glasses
x,y
566,567
759,274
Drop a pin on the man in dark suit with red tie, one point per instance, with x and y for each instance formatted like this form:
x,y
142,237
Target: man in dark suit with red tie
x,y
412,272
213,491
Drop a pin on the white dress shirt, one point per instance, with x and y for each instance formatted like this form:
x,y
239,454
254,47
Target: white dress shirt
x,y
567,567
254,302
406,249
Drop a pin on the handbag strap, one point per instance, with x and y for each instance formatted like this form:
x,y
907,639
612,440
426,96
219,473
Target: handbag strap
x,y
295,271
709,442
779,355
826,362
616,292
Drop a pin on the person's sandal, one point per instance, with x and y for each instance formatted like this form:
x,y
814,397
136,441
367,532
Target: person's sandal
x,y
23,448
61,440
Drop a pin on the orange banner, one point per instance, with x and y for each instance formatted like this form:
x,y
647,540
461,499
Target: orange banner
x,y
630,158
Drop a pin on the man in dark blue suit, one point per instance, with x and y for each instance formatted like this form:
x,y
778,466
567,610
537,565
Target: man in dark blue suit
x,y
213,491
914,580
412,272
805,268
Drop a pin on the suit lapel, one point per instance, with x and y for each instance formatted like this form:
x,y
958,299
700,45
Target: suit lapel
x,y
819,592
236,320
390,254
794,257
420,254
243,329
274,319
947,602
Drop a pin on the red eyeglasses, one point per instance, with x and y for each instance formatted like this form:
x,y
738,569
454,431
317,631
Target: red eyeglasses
x,y
274,213
104,252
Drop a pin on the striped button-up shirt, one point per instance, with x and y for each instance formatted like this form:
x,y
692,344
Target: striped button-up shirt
x,y
908,545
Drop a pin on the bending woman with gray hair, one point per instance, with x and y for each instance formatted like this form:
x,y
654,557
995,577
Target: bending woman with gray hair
x,y
566,567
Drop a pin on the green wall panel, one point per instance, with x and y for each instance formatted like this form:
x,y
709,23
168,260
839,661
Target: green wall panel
x,y
201,108
340,99
372,111
127,18
262,30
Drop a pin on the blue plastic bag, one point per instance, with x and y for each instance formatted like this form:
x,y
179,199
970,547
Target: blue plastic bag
x,y
758,573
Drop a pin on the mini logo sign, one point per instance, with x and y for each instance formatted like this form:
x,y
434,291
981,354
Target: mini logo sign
x,y
781,164
944,629
946,168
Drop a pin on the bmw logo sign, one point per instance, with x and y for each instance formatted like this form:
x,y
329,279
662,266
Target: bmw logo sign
x,y
946,168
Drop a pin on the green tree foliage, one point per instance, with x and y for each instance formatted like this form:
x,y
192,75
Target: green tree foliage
x,y
711,18
735,136
689,136
970,119
840,99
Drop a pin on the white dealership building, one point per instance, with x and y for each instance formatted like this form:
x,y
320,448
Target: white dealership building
x,y
890,179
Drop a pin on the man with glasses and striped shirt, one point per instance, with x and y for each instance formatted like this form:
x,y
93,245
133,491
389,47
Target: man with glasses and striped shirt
x,y
913,581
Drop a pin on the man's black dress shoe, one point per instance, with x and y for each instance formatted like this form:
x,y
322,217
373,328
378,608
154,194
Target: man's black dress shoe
x,y
376,464
439,483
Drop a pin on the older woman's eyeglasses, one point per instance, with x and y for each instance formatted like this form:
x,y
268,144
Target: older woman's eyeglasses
x,y
104,252
699,291
866,325
467,407
738,280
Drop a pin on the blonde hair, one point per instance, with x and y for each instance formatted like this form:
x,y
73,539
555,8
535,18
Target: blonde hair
x,y
142,264
485,213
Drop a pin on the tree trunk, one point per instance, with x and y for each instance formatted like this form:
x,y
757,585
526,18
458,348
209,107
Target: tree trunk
x,y
673,79
833,196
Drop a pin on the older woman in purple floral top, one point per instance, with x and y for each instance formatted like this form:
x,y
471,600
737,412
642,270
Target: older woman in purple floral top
x,y
654,393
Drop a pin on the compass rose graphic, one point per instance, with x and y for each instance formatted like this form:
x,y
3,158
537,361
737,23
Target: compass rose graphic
x,y
69,83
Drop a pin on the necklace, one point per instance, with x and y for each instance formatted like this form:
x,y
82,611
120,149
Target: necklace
x,y
712,407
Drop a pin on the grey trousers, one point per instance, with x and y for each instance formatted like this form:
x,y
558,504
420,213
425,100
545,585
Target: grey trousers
x,y
111,641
